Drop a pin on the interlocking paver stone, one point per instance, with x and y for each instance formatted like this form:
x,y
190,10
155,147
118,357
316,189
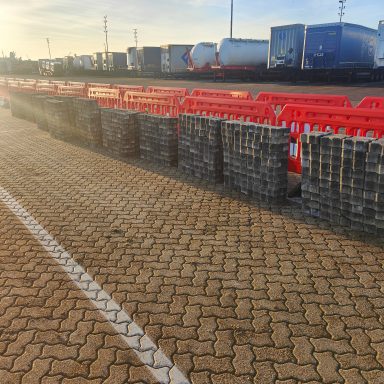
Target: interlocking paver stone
x,y
233,291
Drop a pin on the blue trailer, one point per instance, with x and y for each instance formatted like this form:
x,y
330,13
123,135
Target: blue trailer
x,y
339,46
286,46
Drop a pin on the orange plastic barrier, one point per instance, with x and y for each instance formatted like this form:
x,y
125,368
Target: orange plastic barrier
x,y
27,86
99,85
107,98
4,89
132,88
69,90
58,82
165,105
279,100
372,103
179,92
48,89
127,88
77,84
222,94
306,118
231,109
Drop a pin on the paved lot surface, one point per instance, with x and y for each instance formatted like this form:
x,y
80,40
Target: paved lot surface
x,y
355,91
231,291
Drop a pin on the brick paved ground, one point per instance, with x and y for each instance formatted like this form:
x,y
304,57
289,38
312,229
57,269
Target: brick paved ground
x,y
232,291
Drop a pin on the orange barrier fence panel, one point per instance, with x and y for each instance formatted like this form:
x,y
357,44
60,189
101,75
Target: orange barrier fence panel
x,y
306,118
77,84
49,89
4,93
279,100
127,88
107,98
179,92
99,85
58,82
222,94
69,90
165,105
231,109
372,102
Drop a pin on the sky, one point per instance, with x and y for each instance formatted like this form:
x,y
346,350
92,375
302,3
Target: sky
x,y
76,26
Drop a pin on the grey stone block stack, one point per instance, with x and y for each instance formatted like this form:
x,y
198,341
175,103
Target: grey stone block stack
x,y
201,147
353,167
373,198
87,121
120,132
310,185
331,147
159,139
348,173
57,118
39,110
22,105
256,159
69,105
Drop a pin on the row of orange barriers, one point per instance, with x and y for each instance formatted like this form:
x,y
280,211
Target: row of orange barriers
x,y
299,112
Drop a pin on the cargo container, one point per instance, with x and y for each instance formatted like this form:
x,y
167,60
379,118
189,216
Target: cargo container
x,y
132,58
202,56
149,59
117,60
339,46
174,57
242,52
98,61
379,55
83,63
286,46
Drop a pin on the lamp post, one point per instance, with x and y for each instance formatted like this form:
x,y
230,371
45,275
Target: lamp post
x,y
231,19
342,9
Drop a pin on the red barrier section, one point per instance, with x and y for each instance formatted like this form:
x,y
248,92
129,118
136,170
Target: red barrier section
x,y
27,86
4,89
99,85
165,105
69,90
131,88
127,88
231,109
107,98
307,118
279,100
77,84
222,94
372,102
58,82
179,92
46,88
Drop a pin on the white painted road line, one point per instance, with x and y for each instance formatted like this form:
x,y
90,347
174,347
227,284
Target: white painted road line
x,y
154,359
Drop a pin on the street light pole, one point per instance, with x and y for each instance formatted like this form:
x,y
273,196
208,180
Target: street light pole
x,y
231,35
106,41
342,9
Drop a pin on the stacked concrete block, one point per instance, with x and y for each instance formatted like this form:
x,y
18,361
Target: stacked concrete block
x,y
87,121
69,105
352,181
57,118
22,105
310,184
158,139
201,147
120,132
330,177
373,197
39,111
256,159
345,180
